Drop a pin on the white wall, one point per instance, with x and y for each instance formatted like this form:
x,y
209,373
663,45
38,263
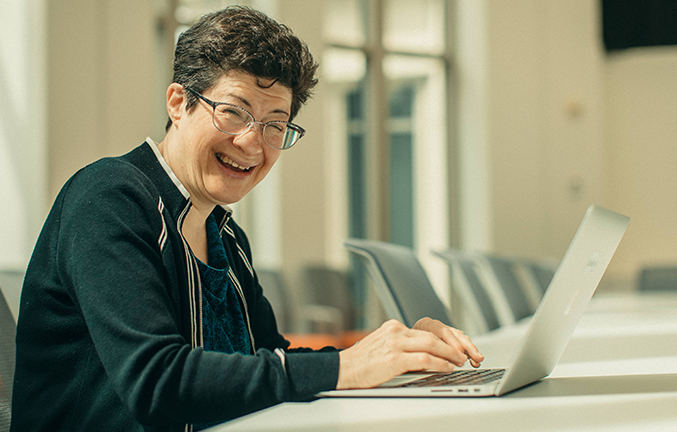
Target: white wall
x,y
640,95
23,147
561,125
543,126
101,83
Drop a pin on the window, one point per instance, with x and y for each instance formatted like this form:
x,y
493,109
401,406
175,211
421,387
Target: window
x,y
387,63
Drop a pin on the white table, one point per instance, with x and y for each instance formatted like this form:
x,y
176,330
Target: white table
x,y
618,373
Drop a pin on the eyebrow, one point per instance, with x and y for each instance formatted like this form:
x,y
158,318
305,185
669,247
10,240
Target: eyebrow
x,y
246,102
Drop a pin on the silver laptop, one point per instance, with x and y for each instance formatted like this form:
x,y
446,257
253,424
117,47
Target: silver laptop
x,y
558,313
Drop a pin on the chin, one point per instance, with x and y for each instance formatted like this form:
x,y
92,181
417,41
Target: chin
x,y
224,195
232,199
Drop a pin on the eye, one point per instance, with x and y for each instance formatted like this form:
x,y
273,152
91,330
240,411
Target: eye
x,y
277,127
228,111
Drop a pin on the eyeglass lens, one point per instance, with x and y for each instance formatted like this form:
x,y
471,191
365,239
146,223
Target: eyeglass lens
x,y
234,120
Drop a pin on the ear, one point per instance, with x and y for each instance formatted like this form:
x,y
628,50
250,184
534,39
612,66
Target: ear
x,y
176,99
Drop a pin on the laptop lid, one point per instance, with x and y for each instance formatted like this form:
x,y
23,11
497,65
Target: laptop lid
x,y
566,298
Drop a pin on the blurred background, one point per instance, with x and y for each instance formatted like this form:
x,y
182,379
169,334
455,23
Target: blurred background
x,y
485,125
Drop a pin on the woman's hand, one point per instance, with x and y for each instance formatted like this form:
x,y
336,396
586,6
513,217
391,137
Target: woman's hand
x,y
452,337
394,349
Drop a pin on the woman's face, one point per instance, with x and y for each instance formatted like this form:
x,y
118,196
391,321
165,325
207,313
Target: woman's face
x,y
218,168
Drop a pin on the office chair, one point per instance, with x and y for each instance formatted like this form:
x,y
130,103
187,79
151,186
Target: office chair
x,y
657,278
477,308
503,273
330,287
537,276
7,359
401,283
275,291
293,317
542,272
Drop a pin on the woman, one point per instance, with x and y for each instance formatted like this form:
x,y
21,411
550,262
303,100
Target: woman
x,y
141,309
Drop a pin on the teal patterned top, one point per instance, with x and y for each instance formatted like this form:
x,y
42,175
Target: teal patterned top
x,y
224,328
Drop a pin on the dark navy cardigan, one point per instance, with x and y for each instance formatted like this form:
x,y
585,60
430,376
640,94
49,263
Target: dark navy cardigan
x,y
109,330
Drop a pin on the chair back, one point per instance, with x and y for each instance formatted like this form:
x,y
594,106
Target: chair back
x,y
275,291
536,276
542,273
657,278
7,361
330,287
503,272
292,314
401,283
468,286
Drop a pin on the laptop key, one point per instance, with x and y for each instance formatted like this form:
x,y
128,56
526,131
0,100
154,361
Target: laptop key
x,y
460,377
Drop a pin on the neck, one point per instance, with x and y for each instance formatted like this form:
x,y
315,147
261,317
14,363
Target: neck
x,y
194,230
194,225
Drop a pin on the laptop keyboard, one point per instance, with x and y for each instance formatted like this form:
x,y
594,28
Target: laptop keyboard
x,y
459,377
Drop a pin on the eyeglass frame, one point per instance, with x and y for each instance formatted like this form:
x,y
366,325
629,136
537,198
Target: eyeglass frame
x,y
250,124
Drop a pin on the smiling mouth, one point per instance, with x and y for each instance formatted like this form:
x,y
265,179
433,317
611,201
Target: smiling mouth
x,y
229,163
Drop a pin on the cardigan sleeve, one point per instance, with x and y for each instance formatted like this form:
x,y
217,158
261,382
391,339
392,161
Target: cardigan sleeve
x,y
109,258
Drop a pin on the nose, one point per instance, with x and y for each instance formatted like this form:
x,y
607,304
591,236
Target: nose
x,y
251,142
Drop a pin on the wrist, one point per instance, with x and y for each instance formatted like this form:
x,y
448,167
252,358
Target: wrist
x,y
345,380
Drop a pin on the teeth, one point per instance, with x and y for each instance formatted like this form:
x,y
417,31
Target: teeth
x,y
226,159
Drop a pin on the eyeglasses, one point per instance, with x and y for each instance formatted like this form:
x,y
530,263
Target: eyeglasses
x,y
233,120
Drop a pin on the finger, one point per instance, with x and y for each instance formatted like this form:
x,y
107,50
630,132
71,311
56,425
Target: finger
x,y
426,342
454,337
416,361
469,348
448,335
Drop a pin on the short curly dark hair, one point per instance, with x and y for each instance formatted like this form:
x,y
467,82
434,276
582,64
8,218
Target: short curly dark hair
x,y
243,39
